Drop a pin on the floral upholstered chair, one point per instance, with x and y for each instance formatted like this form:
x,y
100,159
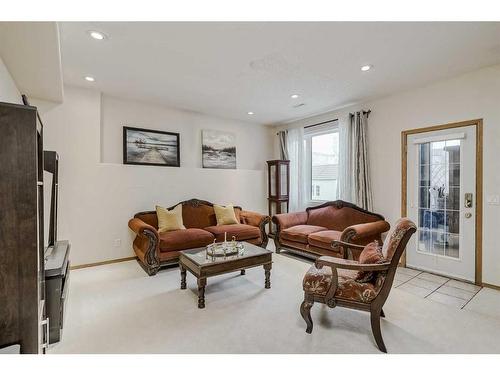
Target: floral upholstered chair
x,y
362,285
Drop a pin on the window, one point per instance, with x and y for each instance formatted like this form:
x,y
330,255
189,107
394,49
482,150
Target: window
x,y
322,152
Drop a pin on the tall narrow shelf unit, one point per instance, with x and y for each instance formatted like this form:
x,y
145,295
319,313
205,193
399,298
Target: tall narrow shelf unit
x,y
278,172
22,289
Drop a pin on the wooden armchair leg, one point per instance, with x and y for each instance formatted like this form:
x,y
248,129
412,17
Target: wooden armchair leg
x,y
377,334
305,311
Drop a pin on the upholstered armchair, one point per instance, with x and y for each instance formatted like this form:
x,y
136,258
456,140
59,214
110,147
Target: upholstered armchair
x,y
337,282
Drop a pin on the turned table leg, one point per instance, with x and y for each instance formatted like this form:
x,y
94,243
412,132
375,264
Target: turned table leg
x,y
183,276
267,272
202,282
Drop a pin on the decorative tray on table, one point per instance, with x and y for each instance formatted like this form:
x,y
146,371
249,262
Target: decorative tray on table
x,y
225,249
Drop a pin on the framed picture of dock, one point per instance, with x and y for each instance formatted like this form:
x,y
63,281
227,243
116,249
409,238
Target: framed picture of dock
x,y
150,147
218,149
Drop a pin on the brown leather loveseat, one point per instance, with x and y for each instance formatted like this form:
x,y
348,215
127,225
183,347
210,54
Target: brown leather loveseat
x,y
313,232
155,249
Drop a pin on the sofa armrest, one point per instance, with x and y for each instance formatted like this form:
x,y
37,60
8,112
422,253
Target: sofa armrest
x,y
253,218
138,226
365,230
256,220
146,244
291,219
350,264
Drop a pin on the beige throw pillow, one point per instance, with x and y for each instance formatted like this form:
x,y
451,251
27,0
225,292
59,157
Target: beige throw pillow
x,y
169,220
225,215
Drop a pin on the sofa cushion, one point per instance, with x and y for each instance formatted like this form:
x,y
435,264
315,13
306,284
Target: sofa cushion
x,y
324,238
371,254
225,215
299,233
184,239
240,231
169,220
202,215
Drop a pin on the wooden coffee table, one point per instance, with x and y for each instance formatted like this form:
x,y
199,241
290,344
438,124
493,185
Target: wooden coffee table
x,y
197,263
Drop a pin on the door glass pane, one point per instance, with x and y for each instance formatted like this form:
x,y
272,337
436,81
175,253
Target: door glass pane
x,y
439,198
425,175
453,198
437,242
451,247
454,173
423,240
423,199
452,221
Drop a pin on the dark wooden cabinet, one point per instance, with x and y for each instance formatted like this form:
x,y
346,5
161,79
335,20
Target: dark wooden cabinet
x,y
278,172
22,289
57,275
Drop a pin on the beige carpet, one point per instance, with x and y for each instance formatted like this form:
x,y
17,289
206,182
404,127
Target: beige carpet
x,y
119,309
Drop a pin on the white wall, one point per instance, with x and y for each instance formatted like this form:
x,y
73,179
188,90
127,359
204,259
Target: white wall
x,y
97,199
8,90
117,113
471,96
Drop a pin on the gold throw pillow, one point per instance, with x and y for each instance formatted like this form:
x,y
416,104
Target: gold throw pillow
x,y
225,215
169,220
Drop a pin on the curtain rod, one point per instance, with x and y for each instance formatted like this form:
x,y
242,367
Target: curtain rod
x,y
365,112
326,122
320,123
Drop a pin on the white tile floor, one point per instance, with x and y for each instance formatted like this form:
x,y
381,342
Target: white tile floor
x,y
437,288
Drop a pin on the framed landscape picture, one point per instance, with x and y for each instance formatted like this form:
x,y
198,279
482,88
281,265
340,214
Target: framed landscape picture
x,y
150,147
218,149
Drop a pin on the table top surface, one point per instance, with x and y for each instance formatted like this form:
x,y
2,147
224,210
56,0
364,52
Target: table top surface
x,y
200,258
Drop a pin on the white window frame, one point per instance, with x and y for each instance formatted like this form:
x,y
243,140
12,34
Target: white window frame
x,y
308,134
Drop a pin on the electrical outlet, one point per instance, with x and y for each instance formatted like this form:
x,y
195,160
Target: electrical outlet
x,y
493,199
117,242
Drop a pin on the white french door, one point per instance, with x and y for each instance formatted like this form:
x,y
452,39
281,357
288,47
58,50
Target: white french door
x,y
441,200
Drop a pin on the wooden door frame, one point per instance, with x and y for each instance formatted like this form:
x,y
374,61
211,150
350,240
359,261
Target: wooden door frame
x,y
478,123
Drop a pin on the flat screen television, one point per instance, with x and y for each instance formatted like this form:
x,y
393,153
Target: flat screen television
x,y
50,192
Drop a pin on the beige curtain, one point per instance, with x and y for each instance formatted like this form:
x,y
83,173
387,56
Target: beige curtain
x,y
361,184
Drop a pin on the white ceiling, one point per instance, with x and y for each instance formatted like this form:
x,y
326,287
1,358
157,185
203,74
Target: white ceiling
x,y
228,69
31,53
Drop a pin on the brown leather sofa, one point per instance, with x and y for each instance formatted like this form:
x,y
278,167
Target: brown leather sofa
x,y
312,233
155,249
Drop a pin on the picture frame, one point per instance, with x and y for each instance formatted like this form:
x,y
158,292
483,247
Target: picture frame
x,y
150,147
218,149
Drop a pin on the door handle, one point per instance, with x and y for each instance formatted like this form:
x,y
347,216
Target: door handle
x,y
468,200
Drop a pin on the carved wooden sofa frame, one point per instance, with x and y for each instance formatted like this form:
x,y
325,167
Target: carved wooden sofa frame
x,y
361,233
146,233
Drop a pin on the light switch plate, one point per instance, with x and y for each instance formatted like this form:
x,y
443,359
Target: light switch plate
x,y
493,199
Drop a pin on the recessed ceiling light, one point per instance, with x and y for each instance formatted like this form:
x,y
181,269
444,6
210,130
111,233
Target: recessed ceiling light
x,y
294,96
97,35
366,68
89,78
250,113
